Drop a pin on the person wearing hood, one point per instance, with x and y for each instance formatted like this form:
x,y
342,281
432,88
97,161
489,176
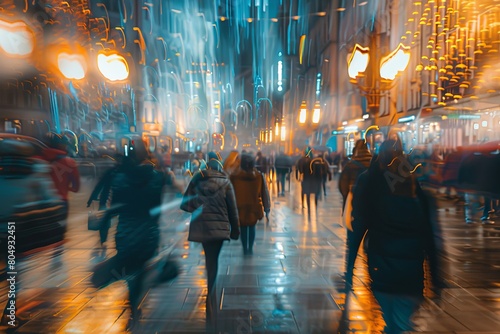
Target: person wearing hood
x,y
252,198
64,171
210,199
402,233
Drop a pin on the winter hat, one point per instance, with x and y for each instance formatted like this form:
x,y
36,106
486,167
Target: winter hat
x,y
214,161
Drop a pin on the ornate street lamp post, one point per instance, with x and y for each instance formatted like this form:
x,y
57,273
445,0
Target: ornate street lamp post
x,y
374,75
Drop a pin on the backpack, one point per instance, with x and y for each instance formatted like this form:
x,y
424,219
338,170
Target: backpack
x,y
317,167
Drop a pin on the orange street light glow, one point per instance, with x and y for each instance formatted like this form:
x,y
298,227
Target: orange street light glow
x,y
303,113
358,61
72,66
16,38
316,113
395,62
114,67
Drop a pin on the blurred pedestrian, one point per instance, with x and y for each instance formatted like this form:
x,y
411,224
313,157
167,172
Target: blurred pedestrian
x,y
64,171
252,199
401,234
326,174
211,200
137,191
102,193
360,161
262,163
305,176
283,164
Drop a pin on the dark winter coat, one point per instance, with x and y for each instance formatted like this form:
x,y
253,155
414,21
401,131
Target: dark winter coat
x,y
283,164
400,224
137,191
311,184
252,196
357,165
211,200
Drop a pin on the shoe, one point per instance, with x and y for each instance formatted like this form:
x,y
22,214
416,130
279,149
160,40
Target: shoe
x,y
469,221
483,218
488,222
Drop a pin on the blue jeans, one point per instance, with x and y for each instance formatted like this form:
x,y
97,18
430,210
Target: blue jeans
x,y
397,311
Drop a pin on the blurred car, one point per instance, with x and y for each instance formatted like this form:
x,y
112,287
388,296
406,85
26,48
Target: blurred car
x,y
32,214
38,145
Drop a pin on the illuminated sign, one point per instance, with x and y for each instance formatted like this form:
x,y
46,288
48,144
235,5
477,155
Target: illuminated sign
x,y
406,119
280,75
467,116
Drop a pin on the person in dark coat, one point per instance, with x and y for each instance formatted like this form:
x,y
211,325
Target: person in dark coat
x,y
211,200
102,193
262,163
306,178
360,161
401,231
252,199
283,164
137,190
328,175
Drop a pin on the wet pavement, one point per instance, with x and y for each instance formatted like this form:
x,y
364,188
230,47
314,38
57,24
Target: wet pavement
x,y
291,284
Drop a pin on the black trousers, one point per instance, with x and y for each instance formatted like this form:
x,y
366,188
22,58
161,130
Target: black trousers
x,y
212,250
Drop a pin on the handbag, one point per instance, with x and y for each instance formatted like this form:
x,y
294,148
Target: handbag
x,y
95,220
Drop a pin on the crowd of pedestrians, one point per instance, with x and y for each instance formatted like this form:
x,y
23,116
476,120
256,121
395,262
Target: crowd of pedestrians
x,y
387,214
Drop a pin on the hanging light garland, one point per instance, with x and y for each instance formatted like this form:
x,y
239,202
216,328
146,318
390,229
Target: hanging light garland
x,y
461,40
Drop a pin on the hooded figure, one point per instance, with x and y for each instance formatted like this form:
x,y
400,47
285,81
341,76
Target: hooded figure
x,y
402,232
211,200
